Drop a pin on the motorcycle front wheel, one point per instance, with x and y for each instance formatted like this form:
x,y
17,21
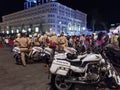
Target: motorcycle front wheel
x,y
113,81
58,82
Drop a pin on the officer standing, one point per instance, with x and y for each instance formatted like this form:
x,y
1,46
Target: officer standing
x,y
42,40
36,40
47,39
63,42
23,44
54,38
17,39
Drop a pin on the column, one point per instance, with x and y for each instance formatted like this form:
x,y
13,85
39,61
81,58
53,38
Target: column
x,y
39,2
47,1
42,1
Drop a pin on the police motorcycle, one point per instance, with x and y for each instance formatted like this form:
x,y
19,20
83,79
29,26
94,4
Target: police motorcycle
x,y
16,55
91,68
37,54
113,54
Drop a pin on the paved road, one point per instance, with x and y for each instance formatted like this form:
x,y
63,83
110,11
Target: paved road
x,y
17,77
32,77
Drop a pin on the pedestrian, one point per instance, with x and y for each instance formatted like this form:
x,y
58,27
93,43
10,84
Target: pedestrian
x,y
116,40
1,43
119,40
11,43
6,41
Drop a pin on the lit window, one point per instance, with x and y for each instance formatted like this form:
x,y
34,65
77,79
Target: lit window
x,y
12,31
36,29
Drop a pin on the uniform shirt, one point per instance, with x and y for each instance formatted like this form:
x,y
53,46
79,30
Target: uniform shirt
x,y
23,42
36,41
54,39
16,42
63,40
42,39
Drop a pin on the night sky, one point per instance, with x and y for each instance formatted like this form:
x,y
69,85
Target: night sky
x,y
107,11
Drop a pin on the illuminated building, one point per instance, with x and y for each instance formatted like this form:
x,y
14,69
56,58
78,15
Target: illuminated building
x,y
29,3
50,16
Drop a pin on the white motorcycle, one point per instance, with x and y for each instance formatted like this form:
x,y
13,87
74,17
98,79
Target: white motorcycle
x,y
37,54
84,69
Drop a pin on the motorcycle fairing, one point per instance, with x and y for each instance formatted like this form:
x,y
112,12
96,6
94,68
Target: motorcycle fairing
x,y
60,67
16,50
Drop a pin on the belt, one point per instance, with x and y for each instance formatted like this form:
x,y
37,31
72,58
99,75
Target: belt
x,y
61,43
23,47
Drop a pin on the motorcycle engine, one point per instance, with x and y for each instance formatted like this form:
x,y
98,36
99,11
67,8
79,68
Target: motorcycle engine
x,y
93,72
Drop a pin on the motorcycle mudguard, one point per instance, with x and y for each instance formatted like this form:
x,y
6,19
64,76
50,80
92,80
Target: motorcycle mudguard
x,y
60,67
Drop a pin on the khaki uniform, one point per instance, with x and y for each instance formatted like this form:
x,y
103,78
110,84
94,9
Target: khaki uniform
x,y
36,41
63,42
54,39
16,43
42,40
23,44
47,40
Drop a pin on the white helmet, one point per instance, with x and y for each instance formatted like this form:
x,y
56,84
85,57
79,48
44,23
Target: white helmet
x,y
47,33
18,35
53,33
35,35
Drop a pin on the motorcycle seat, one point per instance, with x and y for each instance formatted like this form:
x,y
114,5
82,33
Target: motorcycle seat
x,y
78,59
75,62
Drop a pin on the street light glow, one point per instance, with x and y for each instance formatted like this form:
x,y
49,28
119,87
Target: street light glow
x,y
29,29
12,31
36,29
7,32
17,31
84,28
23,31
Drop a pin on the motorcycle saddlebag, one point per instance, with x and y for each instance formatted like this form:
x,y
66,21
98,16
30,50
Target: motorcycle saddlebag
x,y
60,67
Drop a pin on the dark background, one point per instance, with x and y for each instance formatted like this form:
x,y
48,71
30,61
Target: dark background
x,y
105,11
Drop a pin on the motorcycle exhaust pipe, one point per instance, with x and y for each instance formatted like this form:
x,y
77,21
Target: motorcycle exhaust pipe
x,y
75,81
80,82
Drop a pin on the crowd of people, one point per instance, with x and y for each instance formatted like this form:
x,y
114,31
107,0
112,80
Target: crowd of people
x,y
80,43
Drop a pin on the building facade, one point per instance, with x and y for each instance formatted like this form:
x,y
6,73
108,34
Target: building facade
x,y
51,16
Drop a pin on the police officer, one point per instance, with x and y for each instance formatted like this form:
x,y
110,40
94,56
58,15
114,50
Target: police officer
x,y
17,39
36,40
63,42
54,38
23,44
42,40
47,39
